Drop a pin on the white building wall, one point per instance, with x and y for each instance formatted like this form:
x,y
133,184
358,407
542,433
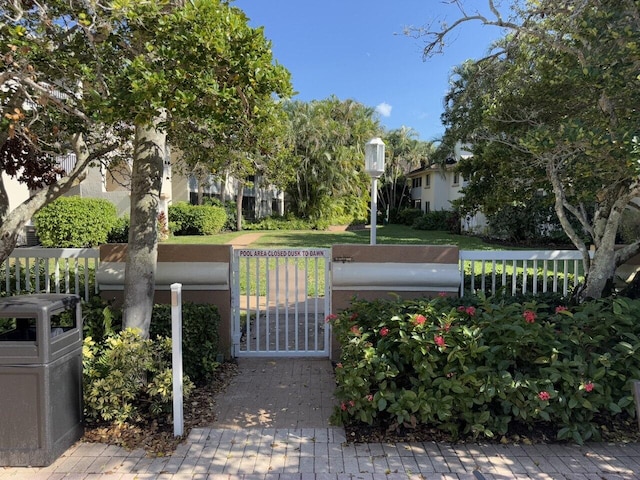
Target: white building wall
x,y
16,191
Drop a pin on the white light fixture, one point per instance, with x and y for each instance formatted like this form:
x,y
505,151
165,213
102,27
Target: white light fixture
x,y
374,157
374,167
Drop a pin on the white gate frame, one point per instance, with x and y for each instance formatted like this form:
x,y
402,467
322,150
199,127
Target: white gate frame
x,y
254,263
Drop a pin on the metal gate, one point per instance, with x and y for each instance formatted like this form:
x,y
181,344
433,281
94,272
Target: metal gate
x,y
280,301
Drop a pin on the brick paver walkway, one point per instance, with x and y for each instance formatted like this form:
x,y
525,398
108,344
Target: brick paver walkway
x,y
272,440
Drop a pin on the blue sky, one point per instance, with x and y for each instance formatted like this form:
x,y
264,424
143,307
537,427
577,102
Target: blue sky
x,y
356,49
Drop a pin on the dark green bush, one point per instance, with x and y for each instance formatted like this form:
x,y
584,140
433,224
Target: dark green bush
x,y
185,219
231,210
199,337
120,231
408,216
199,332
276,222
478,368
442,220
70,222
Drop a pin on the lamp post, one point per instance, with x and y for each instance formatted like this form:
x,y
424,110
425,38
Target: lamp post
x,y
374,166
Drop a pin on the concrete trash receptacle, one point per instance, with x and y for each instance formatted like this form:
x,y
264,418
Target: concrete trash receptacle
x,y
41,411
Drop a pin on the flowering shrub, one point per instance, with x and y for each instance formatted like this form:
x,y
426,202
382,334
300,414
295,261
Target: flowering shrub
x,y
475,370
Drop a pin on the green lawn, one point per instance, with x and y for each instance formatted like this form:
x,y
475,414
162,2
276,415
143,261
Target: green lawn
x,y
387,234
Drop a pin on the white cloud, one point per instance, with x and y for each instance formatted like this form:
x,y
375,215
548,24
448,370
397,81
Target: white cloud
x,y
384,109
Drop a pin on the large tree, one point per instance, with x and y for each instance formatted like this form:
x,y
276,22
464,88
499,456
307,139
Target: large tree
x,y
554,110
152,65
45,67
328,138
404,152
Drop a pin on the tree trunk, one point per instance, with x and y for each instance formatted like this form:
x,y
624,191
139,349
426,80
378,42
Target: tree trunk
x,y
14,221
142,252
239,196
601,273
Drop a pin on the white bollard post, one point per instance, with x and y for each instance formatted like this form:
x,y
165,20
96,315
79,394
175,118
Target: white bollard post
x,y
176,362
636,394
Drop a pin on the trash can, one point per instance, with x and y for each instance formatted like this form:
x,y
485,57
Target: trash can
x,y
40,377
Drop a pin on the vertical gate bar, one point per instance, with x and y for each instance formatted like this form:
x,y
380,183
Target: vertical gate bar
x,y
514,277
535,277
267,318
258,309
575,273
247,323
524,276
327,301
545,267
315,323
286,302
316,301
306,303
555,276
296,297
277,345
565,286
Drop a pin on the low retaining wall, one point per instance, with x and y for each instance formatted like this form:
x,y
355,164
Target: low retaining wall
x,y
203,270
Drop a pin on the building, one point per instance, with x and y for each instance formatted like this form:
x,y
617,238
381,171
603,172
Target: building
x,y
434,187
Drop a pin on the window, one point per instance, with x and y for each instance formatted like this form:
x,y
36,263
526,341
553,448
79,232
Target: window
x,y
416,182
417,204
249,208
427,207
427,180
456,178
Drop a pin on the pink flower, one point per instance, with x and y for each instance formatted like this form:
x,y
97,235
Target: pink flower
x,y
471,311
447,327
462,308
355,330
544,396
384,331
442,294
343,406
561,308
588,387
331,317
339,365
439,340
369,398
354,315
419,320
352,403
529,316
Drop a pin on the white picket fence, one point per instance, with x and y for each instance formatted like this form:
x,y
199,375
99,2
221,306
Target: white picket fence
x,y
520,271
70,270
51,270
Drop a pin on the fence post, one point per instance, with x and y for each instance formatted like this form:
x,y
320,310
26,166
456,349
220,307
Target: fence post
x,y
176,362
